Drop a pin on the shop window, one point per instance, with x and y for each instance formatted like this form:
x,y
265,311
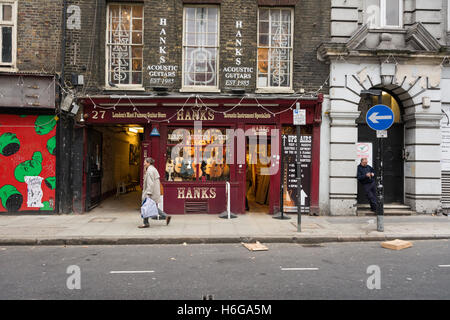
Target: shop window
x,y
200,47
197,157
7,34
391,13
124,45
275,48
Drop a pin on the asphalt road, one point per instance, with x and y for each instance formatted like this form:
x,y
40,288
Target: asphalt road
x,y
285,271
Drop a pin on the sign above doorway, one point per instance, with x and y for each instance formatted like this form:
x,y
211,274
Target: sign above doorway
x,y
380,117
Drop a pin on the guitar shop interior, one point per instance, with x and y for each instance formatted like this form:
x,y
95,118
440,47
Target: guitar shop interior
x,y
196,159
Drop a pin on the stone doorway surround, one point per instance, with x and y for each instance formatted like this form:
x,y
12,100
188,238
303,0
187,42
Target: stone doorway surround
x,y
408,64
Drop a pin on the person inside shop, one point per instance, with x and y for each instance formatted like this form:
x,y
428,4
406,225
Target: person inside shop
x,y
151,189
366,176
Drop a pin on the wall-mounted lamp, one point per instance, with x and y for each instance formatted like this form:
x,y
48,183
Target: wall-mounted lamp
x,y
387,73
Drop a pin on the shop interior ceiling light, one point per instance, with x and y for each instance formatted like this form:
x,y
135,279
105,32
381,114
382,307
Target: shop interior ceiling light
x,y
136,129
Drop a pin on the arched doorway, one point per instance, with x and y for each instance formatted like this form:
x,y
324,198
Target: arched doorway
x,y
393,146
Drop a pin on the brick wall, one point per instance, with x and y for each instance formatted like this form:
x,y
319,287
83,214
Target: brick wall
x,y
85,50
39,35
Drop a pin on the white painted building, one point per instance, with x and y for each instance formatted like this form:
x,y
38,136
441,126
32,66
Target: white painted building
x,y
398,46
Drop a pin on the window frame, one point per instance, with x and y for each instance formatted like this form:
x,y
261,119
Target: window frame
x,y
185,88
271,89
383,14
9,66
448,16
138,87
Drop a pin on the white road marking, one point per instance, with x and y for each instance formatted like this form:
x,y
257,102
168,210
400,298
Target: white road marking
x,y
299,269
444,266
142,271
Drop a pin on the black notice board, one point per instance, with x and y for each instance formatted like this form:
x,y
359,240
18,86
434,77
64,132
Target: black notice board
x,y
289,176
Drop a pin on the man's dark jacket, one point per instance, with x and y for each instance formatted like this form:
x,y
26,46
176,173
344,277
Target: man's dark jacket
x,y
362,171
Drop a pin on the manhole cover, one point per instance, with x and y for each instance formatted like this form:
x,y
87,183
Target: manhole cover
x,y
102,220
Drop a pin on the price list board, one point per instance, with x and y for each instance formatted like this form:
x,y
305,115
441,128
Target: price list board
x,y
289,174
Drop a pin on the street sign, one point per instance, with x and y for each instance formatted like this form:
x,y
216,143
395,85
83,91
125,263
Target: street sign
x,y
364,150
380,117
299,117
381,133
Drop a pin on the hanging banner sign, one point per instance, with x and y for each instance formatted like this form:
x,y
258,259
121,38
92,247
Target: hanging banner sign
x,y
289,156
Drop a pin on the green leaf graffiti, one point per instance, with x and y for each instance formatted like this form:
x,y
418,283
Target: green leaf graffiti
x,y
50,182
31,167
11,198
51,145
9,144
44,124
46,207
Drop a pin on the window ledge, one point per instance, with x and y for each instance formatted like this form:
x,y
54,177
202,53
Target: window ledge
x,y
124,88
274,90
199,89
388,29
8,68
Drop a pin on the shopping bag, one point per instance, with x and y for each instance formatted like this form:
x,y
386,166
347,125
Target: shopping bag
x,y
149,208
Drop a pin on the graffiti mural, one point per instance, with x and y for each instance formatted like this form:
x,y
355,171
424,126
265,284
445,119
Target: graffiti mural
x,y
27,163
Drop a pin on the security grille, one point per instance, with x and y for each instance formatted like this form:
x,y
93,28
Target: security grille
x,y
195,207
445,189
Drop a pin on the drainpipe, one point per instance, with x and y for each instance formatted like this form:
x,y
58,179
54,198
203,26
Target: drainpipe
x,y
59,201
63,39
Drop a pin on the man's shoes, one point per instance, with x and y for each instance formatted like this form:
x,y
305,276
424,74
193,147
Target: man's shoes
x,y
168,220
144,226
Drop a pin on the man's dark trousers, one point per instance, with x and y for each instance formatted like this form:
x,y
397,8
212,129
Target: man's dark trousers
x,y
371,193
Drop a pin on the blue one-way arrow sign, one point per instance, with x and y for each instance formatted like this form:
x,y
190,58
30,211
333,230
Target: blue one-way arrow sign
x,y
380,117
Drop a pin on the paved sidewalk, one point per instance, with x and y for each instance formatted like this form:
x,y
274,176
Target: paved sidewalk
x,y
116,220
109,227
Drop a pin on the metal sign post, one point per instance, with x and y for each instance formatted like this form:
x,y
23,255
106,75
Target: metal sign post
x,y
281,215
299,119
380,118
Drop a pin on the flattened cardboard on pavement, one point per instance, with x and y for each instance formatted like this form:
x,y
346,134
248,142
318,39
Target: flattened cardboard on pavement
x,y
255,246
396,244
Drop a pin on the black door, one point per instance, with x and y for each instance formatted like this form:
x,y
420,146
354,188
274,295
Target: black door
x,y
392,161
94,169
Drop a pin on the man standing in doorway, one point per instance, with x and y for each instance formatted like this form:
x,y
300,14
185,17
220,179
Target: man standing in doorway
x,y
151,189
366,176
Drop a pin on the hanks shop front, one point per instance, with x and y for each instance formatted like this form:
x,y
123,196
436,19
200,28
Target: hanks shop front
x,y
199,144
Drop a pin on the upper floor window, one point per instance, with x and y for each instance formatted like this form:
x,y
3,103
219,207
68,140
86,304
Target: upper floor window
x,y
7,33
391,13
124,45
275,48
201,47
448,15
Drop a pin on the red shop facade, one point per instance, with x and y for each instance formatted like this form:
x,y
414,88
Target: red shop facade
x,y
200,186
